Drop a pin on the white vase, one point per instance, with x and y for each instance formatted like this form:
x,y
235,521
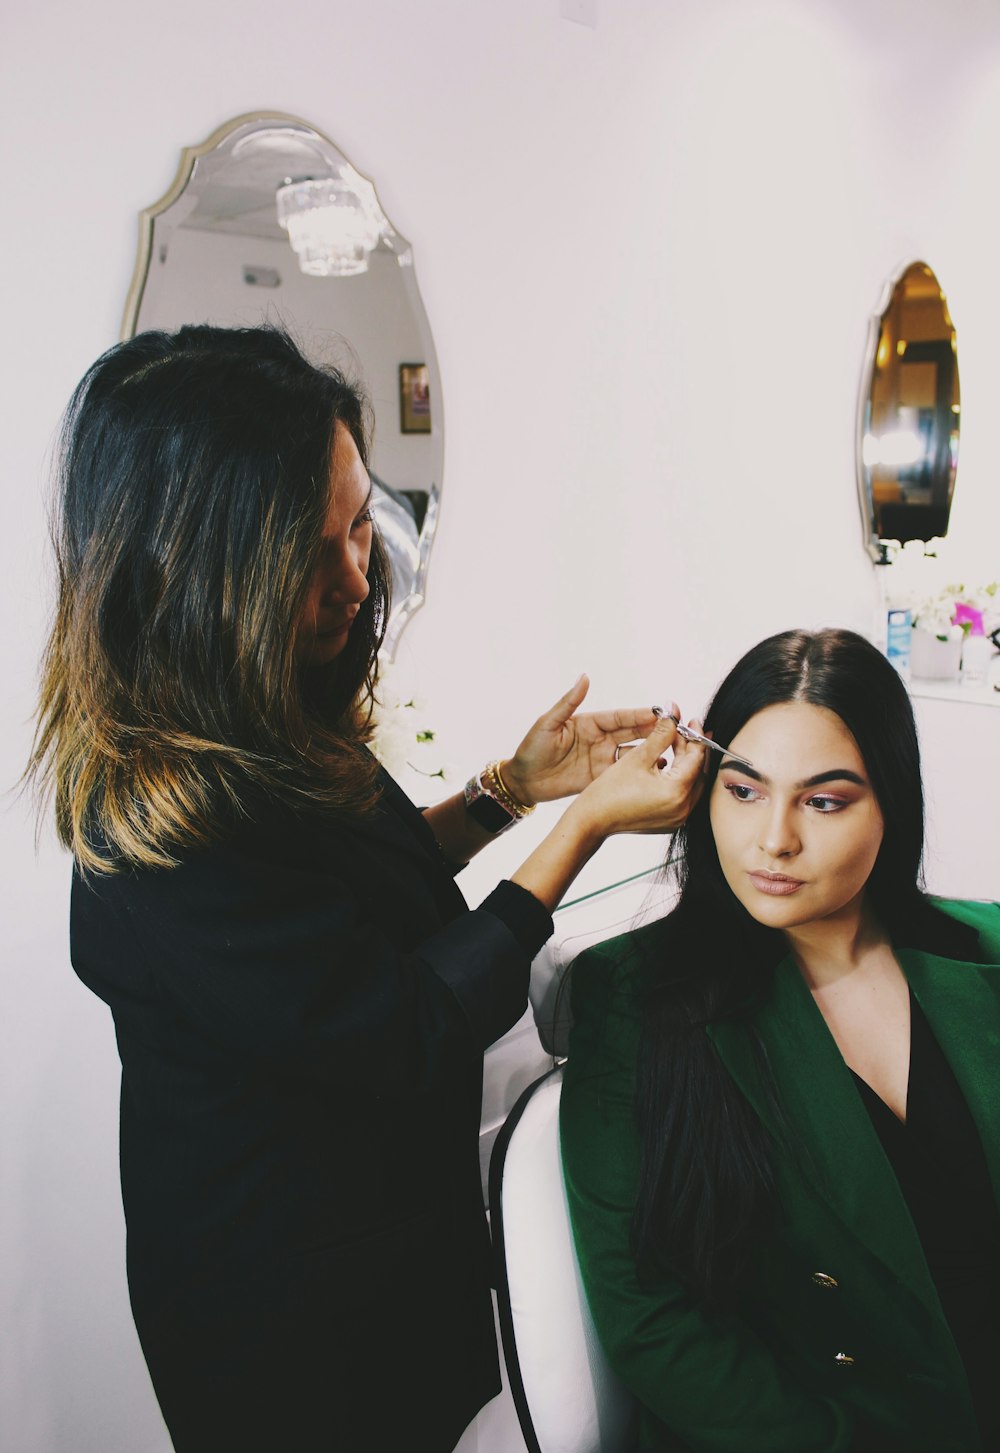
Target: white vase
x,y
932,659
977,653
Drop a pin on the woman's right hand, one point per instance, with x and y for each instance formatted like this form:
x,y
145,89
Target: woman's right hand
x,y
640,793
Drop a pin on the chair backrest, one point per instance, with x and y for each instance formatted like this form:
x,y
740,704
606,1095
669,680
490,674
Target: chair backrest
x,y
580,923
567,1398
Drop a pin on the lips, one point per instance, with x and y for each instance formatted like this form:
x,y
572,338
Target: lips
x,y
778,885
340,629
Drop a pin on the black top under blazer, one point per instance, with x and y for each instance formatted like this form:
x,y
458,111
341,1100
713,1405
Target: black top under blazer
x,y
301,1014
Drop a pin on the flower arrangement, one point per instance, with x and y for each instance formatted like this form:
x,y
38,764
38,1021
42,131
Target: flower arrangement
x,y
959,610
404,740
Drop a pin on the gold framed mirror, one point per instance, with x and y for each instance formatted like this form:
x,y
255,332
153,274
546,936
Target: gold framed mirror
x,y
909,414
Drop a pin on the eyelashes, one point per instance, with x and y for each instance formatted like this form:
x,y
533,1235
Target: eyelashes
x,y
823,802
366,519
741,791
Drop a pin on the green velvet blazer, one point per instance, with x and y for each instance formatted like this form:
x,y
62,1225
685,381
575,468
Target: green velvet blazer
x,y
839,1341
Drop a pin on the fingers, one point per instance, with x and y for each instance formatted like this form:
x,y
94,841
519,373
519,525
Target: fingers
x,y
688,757
624,724
660,731
566,705
661,736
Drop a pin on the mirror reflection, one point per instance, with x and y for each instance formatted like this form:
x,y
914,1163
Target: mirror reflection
x,y
267,220
909,415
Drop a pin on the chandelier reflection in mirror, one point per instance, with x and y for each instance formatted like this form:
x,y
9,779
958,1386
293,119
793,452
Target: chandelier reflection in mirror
x,y
333,223
216,249
909,415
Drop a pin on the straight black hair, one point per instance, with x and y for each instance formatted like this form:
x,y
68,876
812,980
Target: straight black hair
x,y
706,1183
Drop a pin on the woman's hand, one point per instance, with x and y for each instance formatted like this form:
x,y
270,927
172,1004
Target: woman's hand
x,y
640,793
563,753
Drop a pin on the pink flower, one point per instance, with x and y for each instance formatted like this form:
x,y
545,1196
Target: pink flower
x,y
970,619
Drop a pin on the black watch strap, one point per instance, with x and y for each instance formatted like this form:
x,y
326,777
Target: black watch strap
x,y
488,812
488,802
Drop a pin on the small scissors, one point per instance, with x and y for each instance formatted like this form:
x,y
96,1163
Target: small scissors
x,y
690,735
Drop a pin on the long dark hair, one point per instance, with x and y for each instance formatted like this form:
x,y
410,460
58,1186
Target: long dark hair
x,y
194,485
706,1185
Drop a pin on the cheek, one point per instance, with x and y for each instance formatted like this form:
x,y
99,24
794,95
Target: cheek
x,y
729,818
858,852
310,603
714,819
874,844
716,803
725,830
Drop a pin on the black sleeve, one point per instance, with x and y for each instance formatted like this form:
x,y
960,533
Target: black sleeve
x,y
528,920
281,965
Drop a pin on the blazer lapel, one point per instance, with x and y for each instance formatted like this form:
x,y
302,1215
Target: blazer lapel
x,y
962,1005
826,1127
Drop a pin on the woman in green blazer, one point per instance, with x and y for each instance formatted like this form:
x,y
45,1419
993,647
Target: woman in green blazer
x,y
781,1111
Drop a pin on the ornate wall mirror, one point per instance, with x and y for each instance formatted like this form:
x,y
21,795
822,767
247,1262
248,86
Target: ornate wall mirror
x,y
909,414
267,220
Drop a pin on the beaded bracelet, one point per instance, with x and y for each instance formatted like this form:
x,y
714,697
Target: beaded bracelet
x,y
503,793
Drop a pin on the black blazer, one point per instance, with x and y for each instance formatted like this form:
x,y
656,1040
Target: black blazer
x,y
301,1016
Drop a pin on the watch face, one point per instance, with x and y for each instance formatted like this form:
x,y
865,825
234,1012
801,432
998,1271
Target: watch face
x,y
489,814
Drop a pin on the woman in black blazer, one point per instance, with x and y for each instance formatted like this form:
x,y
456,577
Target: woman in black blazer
x,y
301,996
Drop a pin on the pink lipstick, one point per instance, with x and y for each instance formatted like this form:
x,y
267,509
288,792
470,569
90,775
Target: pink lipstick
x,y
777,884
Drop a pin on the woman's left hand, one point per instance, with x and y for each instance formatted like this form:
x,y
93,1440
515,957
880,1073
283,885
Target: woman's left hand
x,y
563,753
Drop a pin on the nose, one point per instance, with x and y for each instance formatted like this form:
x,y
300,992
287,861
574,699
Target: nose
x,y
779,838
346,583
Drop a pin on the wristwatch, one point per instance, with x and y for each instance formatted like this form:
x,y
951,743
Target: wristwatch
x,y
488,802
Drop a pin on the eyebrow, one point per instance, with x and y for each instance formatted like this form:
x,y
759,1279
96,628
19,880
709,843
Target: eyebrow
x,y
325,539
837,774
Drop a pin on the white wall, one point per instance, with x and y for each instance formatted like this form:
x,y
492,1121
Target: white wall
x,y
648,253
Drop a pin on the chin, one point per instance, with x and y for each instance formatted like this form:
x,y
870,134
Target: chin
x,y
780,916
777,912
321,650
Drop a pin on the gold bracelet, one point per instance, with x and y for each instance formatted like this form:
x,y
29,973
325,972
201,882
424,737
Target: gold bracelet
x,y
495,787
522,808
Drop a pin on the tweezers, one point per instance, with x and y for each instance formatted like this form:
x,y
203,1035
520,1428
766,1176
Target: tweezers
x,y
690,735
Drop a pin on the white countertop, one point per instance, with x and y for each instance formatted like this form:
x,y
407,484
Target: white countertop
x,y
956,691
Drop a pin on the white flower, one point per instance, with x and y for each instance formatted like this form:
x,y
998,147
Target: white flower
x,y
404,738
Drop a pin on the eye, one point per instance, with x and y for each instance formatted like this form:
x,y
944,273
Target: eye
x,y
366,519
742,791
824,803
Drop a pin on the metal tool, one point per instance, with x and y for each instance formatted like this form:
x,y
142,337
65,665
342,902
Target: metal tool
x,y
690,735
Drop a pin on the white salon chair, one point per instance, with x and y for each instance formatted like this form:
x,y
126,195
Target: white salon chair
x,y
585,921
567,1398
527,1050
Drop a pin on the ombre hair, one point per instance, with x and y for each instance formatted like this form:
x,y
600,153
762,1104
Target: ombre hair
x,y
194,483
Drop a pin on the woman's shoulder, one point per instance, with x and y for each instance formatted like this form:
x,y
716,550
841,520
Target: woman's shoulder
x,y
981,915
981,912
619,970
253,833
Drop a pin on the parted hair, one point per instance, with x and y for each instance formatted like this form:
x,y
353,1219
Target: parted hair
x,y
193,487
706,1188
